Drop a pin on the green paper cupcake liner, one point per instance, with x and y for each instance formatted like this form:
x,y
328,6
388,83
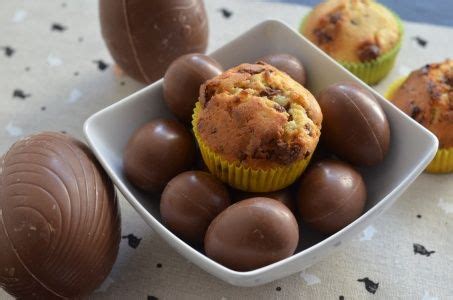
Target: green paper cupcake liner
x,y
373,71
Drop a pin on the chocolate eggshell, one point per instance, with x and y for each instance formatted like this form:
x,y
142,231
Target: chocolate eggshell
x,y
331,195
284,196
354,126
190,202
182,82
157,152
289,64
59,221
251,234
144,37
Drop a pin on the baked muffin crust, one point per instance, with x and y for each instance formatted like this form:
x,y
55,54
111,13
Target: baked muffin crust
x,y
427,96
352,30
259,116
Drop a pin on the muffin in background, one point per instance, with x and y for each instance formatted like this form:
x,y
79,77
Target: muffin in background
x,y
362,35
427,96
257,127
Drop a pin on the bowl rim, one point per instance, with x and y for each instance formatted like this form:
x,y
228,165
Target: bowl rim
x,y
227,272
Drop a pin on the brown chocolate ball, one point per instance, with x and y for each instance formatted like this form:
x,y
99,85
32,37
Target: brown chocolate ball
x,y
289,64
251,234
59,219
331,195
156,153
354,125
190,202
144,36
284,196
182,82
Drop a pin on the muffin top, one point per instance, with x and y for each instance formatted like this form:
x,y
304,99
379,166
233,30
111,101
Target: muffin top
x,y
427,96
258,115
352,30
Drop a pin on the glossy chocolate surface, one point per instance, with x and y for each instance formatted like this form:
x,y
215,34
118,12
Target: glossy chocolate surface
x,y
251,234
354,126
190,202
331,195
144,37
59,223
284,196
288,64
182,82
157,152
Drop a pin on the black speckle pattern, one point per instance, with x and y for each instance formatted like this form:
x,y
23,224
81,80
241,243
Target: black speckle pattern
x,y
43,108
18,93
226,13
370,286
132,240
421,41
419,216
278,289
80,39
420,249
58,27
27,69
9,51
63,131
122,83
102,65
152,298
63,4
76,73
159,265
341,298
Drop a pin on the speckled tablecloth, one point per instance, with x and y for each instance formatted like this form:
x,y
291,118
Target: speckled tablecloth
x,y
55,72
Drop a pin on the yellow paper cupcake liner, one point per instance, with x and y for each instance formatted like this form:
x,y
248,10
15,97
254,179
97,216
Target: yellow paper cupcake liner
x,y
443,161
243,178
373,71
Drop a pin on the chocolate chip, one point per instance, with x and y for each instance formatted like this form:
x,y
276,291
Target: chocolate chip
x,y
251,69
132,240
101,64
334,17
270,92
309,129
278,289
214,130
307,154
322,36
242,156
159,265
152,298
419,216
279,108
415,112
354,22
8,51
368,51
207,94
425,69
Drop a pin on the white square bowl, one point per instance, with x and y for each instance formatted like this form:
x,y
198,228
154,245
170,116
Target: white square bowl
x,y
412,148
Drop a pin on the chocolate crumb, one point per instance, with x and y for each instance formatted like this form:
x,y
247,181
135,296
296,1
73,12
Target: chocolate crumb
x,y
323,36
132,240
159,265
18,93
226,13
152,298
370,286
101,64
421,41
8,51
58,27
419,216
341,298
420,249
279,108
270,92
354,22
278,289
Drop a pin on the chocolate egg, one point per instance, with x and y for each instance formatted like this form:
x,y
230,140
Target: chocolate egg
x,y
331,195
182,82
190,202
144,37
288,64
354,125
156,153
59,221
284,196
252,233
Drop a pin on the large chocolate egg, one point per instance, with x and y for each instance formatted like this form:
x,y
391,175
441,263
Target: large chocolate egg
x,y
289,64
156,153
182,82
144,36
331,195
252,233
190,202
59,220
354,125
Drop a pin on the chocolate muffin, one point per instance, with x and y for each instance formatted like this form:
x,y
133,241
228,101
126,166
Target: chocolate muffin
x,y
259,116
427,96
